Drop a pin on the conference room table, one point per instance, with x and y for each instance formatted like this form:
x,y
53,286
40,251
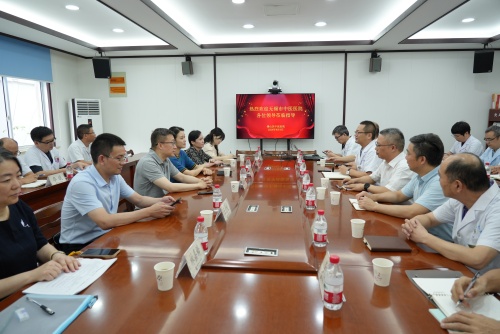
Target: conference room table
x,y
237,293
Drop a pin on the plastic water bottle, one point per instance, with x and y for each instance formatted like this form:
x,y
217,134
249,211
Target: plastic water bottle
x,y
302,168
305,181
243,174
319,228
334,285
488,169
257,157
248,165
217,198
69,171
311,197
201,233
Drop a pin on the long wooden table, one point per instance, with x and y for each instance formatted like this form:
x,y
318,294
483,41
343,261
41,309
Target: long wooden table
x,y
234,293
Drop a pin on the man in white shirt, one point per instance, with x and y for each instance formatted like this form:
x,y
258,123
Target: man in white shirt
x,y
79,150
465,142
492,153
12,146
391,175
366,159
349,146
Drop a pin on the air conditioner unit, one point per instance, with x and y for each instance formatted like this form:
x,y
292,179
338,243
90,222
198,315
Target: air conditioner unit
x,y
85,111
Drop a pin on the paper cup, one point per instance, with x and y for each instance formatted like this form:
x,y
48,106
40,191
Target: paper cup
x,y
242,157
335,197
235,186
227,171
382,269
207,216
232,162
325,182
164,275
322,162
320,192
357,227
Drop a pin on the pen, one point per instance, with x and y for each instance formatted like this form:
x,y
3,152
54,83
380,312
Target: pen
x,y
43,307
471,284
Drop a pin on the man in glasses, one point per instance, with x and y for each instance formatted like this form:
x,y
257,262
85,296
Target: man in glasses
x,y
90,207
13,147
154,171
79,150
464,141
391,175
44,158
349,146
492,153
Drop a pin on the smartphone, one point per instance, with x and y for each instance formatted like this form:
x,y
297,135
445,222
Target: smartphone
x,y
177,201
207,192
105,253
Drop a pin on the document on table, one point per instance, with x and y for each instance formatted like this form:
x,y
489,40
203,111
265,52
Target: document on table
x,y
73,282
336,175
36,184
355,204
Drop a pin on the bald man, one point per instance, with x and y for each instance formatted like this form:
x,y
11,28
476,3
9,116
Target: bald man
x,y
11,145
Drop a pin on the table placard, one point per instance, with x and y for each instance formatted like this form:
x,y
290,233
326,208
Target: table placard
x,y
54,179
194,257
244,184
225,210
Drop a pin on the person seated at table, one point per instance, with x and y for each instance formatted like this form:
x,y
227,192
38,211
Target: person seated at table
x,y
473,208
12,146
154,171
25,255
349,146
91,203
391,175
181,160
195,151
43,158
366,159
79,150
492,153
212,142
470,322
423,156
464,141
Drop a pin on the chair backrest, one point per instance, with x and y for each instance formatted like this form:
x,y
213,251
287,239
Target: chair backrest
x,y
49,220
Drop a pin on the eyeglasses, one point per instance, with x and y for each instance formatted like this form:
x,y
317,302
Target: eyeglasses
x,y
358,132
119,159
489,139
48,141
167,142
337,137
379,145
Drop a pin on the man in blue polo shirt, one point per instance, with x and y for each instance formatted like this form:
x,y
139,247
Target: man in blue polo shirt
x,y
424,155
91,203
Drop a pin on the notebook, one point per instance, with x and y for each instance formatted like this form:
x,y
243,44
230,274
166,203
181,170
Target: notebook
x,y
380,243
335,175
355,204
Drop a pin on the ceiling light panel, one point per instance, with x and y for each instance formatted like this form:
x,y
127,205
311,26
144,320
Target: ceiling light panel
x,y
485,25
351,20
93,23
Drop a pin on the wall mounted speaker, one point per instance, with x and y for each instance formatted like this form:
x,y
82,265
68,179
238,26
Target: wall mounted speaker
x,y
187,67
102,67
483,61
375,64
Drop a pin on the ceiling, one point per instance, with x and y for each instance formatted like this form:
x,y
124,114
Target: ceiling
x,y
208,27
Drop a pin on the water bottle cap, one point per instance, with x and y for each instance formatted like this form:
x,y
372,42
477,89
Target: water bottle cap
x,y
200,219
321,212
487,163
334,259
217,186
68,164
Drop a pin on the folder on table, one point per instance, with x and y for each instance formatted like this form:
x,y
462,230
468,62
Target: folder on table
x,y
378,243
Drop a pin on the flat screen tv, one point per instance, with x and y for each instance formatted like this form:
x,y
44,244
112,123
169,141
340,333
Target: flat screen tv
x,y
275,116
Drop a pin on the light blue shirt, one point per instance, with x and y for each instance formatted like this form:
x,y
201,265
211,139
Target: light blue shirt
x,y
427,192
86,192
493,157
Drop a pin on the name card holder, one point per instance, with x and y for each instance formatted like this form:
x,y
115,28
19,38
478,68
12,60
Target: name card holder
x,y
54,179
225,210
194,257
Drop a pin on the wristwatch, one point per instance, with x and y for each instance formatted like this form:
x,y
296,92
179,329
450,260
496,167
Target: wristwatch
x,y
348,172
367,185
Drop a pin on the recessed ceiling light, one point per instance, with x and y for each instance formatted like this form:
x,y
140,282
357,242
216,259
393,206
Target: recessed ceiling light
x,y
72,7
238,2
467,20
248,26
118,30
320,24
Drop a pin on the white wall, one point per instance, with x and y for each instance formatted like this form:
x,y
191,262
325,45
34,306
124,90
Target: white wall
x,y
418,92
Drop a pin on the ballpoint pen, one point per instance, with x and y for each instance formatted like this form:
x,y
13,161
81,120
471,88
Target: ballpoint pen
x,y
471,284
43,307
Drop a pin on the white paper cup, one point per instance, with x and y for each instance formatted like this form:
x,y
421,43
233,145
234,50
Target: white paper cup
x,y
207,216
358,227
325,182
164,275
382,269
235,186
232,162
242,157
322,162
227,171
320,192
335,197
